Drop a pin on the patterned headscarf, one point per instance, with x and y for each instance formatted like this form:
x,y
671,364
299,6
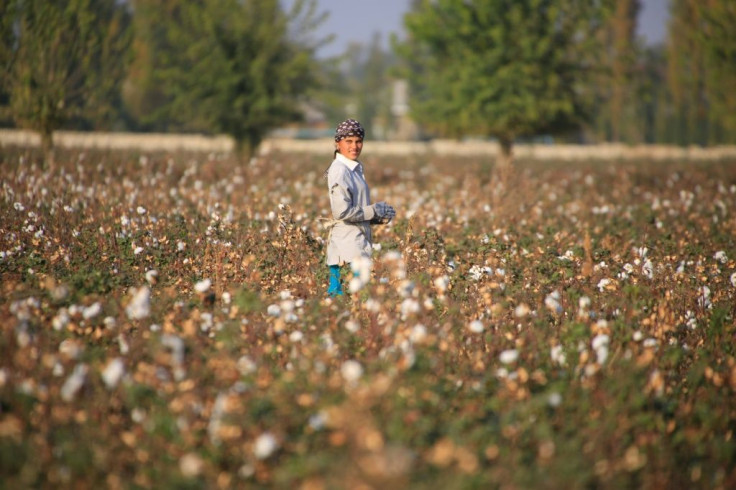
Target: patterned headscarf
x,y
349,127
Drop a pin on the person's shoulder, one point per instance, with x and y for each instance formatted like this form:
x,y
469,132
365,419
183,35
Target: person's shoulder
x,y
337,169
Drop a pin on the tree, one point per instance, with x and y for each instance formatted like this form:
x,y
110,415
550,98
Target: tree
x,y
501,68
61,60
702,69
367,86
623,60
232,66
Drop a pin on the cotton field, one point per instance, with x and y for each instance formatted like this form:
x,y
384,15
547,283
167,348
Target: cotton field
x,y
165,324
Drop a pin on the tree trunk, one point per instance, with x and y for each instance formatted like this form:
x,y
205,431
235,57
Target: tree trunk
x,y
505,157
47,146
501,172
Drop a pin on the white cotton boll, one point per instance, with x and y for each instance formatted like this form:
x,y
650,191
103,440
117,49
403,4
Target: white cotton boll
x,y
650,342
285,294
318,421
361,268
476,326
558,355
113,373
176,345
600,340
522,310
140,210
405,288
568,255
509,356
352,326
74,382
351,371
441,284
138,250
648,269
92,311
203,286
603,284
409,306
151,276
601,354
110,322
552,302
475,273
180,246
265,446
418,334
70,348
296,336
428,303
733,279
355,284
61,319
123,344
140,306
246,365
637,336
721,256
372,305
273,310
554,399
288,306
191,465
327,343
704,297
58,370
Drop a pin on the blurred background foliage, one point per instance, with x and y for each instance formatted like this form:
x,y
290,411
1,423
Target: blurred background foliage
x,y
552,69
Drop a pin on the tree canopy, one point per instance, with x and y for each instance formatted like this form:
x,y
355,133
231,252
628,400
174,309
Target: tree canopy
x,y
61,60
240,68
499,67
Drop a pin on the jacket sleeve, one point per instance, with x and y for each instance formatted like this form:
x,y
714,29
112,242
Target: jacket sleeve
x,y
342,202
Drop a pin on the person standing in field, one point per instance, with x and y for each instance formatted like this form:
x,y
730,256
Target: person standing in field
x,y
350,202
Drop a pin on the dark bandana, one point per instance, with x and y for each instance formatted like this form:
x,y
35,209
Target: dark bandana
x,y
350,127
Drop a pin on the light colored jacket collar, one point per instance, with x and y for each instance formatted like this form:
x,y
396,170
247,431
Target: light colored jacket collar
x,y
351,164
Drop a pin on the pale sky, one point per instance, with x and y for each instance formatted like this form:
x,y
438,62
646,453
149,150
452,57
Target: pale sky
x,y
358,20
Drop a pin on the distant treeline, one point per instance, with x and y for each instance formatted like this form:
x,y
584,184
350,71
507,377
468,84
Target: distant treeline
x,y
568,70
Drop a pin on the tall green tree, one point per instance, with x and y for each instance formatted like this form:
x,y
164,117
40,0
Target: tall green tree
x,y
62,60
367,91
239,67
503,68
702,69
623,54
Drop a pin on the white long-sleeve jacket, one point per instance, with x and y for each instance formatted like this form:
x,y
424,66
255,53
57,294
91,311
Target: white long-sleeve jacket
x,y
350,200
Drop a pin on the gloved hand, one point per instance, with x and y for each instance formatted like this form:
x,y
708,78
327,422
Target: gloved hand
x,y
384,212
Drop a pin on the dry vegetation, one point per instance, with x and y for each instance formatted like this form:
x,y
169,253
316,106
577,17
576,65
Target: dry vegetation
x,y
164,325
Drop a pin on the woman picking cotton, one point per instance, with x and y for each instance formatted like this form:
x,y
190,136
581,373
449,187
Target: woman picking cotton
x,y
350,202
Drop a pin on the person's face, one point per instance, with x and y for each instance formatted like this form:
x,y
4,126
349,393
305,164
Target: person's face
x,y
350,147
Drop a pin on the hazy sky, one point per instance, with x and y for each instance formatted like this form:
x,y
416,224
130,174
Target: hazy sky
x,y
358,20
